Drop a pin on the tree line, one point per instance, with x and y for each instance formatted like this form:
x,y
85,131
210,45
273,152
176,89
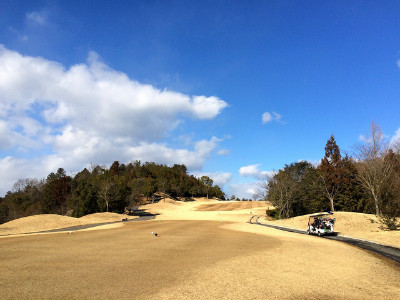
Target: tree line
x,y
102,189
367,182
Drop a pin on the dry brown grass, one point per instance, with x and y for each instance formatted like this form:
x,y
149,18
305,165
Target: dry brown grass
x,y
190,260
196,259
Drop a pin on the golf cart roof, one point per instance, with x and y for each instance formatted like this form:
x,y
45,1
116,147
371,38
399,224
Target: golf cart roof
x,y
321,214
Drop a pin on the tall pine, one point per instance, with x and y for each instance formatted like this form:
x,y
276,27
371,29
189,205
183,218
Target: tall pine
x,y
331,169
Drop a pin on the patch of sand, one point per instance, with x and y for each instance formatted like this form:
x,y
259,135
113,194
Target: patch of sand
x,y
45,222
357,225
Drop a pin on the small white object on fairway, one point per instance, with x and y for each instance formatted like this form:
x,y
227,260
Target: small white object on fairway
x,y
152,232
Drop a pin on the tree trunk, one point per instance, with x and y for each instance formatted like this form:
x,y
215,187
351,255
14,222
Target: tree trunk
x,y
376,200
332,206
377,210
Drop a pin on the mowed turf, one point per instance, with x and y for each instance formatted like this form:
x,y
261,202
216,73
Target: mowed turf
x,y
190,260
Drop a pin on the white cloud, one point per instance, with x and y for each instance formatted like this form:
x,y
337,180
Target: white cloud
x,y
254,172
37,17
268,117
207,107
194,160
219,178
92,113
395,140
16,168
96,98
205,147
223,152
243,190
5,135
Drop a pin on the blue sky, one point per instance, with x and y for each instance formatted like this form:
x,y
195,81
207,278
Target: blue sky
x,y
232,89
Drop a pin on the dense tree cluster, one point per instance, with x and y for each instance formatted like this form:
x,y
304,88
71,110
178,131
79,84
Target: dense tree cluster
x,y
100,189
369,182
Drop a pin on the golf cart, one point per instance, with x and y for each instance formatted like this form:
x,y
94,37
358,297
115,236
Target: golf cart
x,y
321,224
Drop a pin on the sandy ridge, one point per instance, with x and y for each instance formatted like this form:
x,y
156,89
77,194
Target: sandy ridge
x,y
45,222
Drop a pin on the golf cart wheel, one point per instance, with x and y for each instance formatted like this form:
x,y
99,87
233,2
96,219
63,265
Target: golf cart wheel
x,y
308,232
319,234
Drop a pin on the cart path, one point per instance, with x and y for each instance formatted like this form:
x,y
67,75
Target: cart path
x,y
81,227
387,251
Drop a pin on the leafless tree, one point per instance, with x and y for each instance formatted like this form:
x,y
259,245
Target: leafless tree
x,y
284,189
108,191
262,190
23,184
374,171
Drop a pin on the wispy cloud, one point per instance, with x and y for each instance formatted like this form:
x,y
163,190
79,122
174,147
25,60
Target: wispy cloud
x,y
268,117
37,17
223,152
20,36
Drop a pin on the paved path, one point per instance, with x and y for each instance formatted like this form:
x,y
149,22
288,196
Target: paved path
x,y
387,251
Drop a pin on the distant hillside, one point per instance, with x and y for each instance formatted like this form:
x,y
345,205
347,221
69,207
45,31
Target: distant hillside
x,y
100,190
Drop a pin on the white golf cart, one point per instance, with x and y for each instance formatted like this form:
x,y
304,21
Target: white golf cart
x,y
321,224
